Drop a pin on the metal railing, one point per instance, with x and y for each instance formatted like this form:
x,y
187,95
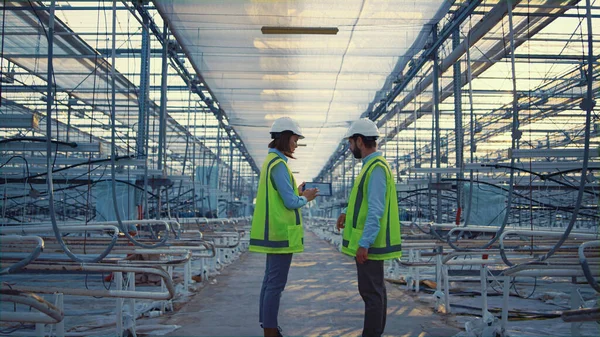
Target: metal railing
x,y
167,295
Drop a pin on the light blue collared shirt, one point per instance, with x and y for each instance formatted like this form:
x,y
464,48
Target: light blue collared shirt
x,y
375,201
283,183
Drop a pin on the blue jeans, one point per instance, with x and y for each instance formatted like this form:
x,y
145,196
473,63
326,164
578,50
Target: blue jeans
x,y
276,273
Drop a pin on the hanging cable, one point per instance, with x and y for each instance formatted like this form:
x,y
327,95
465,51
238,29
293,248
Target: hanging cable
x,y
113,118
49,102
514,139
588,105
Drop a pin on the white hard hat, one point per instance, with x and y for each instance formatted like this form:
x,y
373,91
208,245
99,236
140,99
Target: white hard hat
x,y
363,126
285,124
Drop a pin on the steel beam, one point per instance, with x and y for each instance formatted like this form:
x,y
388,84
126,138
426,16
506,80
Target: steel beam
x,y
73,172
79,147
70,161
534,166
13,121
535,153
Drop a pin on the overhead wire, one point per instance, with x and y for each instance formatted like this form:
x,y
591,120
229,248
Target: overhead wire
x,y
113,119
50,97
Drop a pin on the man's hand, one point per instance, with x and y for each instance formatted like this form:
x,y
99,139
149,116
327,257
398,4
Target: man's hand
x,y
340,222
362,254
301,187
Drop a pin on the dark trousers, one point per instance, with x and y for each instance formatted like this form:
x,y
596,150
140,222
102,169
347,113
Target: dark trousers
x,y
371,288
276,274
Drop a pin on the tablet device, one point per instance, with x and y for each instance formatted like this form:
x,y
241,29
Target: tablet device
x,y
324,188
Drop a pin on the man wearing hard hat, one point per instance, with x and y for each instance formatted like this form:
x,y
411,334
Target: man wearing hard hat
x,y
371,224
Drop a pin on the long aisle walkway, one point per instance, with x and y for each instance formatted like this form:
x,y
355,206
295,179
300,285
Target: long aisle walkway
x,y
321,299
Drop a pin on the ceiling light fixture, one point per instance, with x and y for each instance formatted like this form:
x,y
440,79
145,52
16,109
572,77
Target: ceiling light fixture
x,y
300,30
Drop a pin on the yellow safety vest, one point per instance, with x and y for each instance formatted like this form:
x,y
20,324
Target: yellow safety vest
x,y
275,228
388,244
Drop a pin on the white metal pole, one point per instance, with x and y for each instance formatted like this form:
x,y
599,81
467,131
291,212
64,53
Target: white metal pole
x,y
446,289
131,286
60,304
119,317
505,295
484,303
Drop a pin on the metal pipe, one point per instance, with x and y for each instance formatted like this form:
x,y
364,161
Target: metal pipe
x,y
589,276
581,315
141,222
208,246
48,313
169,294
41,229
549,271
538,233
32,256
186,255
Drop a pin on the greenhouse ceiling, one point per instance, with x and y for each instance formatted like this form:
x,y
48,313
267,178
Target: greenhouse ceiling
x,y
323,80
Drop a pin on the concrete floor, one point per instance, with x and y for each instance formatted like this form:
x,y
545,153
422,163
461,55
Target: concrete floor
x,y
321,299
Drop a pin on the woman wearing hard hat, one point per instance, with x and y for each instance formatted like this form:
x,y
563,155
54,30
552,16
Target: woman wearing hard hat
x,y
277,222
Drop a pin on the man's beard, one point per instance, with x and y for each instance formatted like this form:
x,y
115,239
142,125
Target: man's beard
x,y
356,153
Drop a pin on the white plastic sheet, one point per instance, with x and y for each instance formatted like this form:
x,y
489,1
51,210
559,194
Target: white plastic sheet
x,y
324,81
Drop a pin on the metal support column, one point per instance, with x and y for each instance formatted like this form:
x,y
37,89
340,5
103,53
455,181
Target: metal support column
x,y
163,101
458,120
143,102
217,160
194,199
69,110
436,116
230,201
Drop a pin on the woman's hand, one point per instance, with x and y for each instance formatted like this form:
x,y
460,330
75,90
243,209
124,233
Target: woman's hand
x,y
310,194
301,187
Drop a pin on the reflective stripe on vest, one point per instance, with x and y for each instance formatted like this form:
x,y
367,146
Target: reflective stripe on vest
x,y
382,248
360,192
